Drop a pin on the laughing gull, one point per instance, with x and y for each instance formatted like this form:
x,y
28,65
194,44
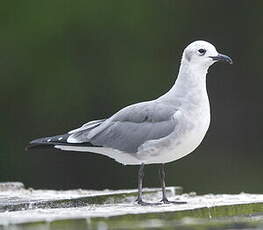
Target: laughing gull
x,y
152,132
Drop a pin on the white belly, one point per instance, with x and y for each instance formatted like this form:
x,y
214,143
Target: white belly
x,y
176,150
182,142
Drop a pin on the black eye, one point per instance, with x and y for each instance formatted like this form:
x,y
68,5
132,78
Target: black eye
x,y
202,51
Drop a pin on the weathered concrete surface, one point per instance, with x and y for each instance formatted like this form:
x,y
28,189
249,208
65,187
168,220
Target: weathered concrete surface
x,y
22,208
16,198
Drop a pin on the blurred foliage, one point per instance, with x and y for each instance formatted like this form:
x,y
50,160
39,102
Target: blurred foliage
x,y
63,63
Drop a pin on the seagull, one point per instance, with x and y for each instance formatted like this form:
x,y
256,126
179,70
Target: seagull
x,y
151,132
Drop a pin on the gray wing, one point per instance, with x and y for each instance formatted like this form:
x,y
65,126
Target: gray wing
x,y
131,127
88,126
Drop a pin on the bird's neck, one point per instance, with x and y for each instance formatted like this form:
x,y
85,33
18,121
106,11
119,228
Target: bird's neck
x,y
190,85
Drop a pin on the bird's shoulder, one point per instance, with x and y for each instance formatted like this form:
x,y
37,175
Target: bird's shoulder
x,y
151,111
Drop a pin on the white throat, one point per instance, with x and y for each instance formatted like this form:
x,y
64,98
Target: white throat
x,y
190,84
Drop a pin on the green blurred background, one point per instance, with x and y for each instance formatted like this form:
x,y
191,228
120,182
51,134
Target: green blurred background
x,y
63,63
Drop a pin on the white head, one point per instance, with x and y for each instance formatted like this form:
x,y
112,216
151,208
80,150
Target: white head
x,y
202,54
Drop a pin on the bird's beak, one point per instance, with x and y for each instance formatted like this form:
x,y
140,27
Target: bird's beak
x,y
222,57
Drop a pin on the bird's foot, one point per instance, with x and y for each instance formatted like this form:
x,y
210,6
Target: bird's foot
x,y
166,201
143,203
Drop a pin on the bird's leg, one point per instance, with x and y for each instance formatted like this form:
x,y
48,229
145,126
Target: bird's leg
x,y
162,179
164,198
140,180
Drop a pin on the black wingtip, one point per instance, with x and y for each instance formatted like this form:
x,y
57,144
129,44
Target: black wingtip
x,y
38,145
31,145
47,142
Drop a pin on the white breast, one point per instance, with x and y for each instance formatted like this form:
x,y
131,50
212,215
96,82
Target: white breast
x,y
191,129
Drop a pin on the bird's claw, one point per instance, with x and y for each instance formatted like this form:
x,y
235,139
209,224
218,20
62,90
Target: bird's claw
x,y
143,203
166,201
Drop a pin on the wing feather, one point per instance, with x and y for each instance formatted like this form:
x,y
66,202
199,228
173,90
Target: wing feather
x,y
130,127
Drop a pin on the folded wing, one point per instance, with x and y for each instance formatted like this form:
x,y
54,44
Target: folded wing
x,y
130,127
